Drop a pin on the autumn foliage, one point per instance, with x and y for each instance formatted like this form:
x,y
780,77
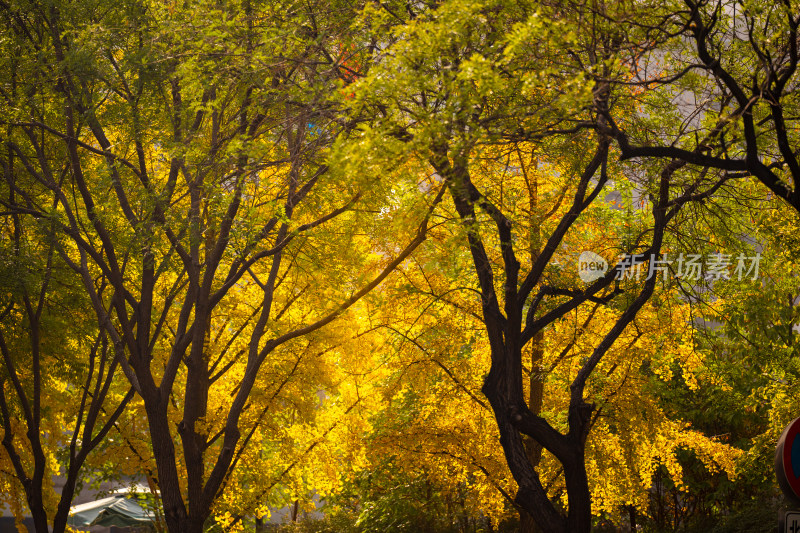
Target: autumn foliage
x,y
260,254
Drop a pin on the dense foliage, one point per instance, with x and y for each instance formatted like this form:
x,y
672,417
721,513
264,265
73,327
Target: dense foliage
x,y
455,265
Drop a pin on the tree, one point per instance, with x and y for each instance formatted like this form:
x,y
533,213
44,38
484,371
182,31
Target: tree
x,y
746,326
435,417
185,149
720,79
59,390
210,175
459,90
727,72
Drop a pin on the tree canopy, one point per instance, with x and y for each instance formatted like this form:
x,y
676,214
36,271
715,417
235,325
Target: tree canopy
x,y
259,250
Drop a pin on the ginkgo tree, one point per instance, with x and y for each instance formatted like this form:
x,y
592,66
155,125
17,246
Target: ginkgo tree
x,y
60,392
226,179
191,174
460,83
435,419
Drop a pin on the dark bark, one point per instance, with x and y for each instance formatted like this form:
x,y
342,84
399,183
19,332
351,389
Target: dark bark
x,y
95,417
769,85
132,310
523,433
503,385
535,399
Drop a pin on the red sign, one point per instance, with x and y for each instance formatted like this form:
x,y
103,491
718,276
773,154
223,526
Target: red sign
x,y
787,461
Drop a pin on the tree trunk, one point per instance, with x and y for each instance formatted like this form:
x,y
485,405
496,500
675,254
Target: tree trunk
x,y
526,523
38,512
175,514
535,399
632,514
